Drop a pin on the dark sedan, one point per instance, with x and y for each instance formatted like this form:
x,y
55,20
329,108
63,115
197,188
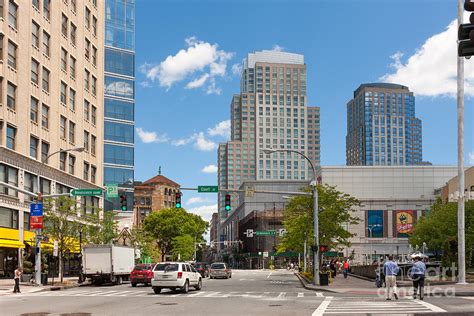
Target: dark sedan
x,y
202,268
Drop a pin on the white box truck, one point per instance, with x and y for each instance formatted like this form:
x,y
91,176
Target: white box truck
x,y
107,263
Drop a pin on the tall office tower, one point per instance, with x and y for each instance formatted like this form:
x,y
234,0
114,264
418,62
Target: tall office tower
x,y
381,126
51,114
119,99
270,112
314,137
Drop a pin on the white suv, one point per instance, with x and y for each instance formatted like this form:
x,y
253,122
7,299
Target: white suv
x,y
175,276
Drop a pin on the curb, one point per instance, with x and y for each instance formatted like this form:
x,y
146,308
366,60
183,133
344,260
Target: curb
x,y
62,287
308,286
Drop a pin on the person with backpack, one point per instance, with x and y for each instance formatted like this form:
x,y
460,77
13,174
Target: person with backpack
x,y
417,274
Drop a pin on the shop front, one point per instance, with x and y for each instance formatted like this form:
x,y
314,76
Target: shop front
x,y
9,251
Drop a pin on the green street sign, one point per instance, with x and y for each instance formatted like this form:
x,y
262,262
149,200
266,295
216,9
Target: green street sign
x,y
266,233
208,189
86,192
112,190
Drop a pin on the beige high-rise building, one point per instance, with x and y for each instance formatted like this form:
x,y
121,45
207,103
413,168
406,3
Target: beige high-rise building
x,y
51,89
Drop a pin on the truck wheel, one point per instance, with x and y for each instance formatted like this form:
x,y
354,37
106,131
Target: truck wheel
x,y
157,290
185,288
119,280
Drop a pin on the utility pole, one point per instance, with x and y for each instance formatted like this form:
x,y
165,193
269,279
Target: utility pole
x,y
460,112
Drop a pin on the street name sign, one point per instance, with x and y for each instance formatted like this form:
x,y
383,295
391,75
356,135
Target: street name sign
x,y
86,192
265,233
112,190
36,209
208,189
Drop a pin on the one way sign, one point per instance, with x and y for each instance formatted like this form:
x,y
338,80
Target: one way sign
x,y
249,233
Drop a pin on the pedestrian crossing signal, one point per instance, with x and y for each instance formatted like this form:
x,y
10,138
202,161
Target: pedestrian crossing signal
x,y
323,248
227,202
178,200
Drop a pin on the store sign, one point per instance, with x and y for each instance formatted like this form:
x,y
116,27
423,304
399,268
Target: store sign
x,y
404,223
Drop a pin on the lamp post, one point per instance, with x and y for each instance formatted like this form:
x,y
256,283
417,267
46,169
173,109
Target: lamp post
x,y
38,231
315,211
370,228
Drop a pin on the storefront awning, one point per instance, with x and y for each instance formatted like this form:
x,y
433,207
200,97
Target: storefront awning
x,y
11,243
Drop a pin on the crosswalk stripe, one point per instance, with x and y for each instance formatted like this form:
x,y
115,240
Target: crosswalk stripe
x,y
300,294
340,306
282,295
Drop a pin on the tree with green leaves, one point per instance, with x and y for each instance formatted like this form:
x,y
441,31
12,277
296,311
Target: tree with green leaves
x,y
335,214
183,247
105,230
438,229
147,244
169,223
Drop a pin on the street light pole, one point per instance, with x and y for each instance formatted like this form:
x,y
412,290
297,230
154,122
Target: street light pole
x,y
38,231
460,108
315,211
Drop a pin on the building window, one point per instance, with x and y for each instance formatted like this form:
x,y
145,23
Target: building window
x,y
86,141
11,55
94,25
44,152
72,163
93,144
8,218
11,96
72,130
46,8
72,67
94,55
36,4
73,6
93,115
72,99
62,127
86,79
93,174
35,31
86,110
45,79
34,110
46,39
12,14
63,60
45,116
88,18
8,175
63,93
87,48
73,34
86,171
11,136
34,71
64,23
94,85
34,147
62,160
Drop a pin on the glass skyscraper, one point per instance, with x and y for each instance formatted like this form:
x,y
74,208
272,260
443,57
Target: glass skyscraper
x,y
119,98
382,128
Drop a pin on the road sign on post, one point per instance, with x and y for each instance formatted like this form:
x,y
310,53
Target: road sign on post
x,y
112,190
208,189
36,222
265,232
86,192
36,209
249,233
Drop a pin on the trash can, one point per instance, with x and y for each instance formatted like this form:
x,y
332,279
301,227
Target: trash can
x,y
324,279
44,278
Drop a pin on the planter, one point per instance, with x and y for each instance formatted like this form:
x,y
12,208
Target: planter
x,y
26,277
324,279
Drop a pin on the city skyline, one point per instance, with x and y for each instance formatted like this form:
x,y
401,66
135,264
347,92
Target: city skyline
x,y
168,96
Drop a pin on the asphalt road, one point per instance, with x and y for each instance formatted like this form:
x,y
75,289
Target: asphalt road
x,y
246,293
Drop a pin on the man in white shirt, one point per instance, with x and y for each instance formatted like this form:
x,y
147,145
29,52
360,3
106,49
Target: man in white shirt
x,y
17,274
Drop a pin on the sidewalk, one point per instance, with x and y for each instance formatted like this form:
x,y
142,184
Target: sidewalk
x,y
6,285
356,286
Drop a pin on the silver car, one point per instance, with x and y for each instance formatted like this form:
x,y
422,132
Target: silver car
x,y
219,270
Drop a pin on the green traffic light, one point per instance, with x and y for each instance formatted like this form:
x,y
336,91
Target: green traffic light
x,y
178,205
124,208
227,207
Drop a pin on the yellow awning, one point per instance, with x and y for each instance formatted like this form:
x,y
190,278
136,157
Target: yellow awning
x,y
11,243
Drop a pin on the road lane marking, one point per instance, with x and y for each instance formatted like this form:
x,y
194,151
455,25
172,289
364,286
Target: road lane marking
x,y
282,295
319,294
322,307
269,274
432,307
300,294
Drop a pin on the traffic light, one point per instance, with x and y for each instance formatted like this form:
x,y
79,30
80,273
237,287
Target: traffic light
x,y
123,202
227,202
178,200
466,33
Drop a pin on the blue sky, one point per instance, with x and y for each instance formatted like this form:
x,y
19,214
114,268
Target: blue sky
x,y
188,53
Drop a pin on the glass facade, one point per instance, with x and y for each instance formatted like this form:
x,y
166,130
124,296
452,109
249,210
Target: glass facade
x,y
119,98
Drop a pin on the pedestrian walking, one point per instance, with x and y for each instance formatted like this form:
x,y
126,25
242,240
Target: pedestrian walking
x,y
345,267
390,269
417,274
332,266
17,274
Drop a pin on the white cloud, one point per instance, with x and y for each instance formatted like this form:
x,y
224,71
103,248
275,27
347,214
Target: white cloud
x,y
221,129
209,169
151,137
145,84
205,211
196,200
431,70
198,58
204,144
471,158
278,48
237,69
182,141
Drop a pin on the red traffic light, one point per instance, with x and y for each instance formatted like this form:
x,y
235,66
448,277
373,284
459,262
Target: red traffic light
x,y
324,248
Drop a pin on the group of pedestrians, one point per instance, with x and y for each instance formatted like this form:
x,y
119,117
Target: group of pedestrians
x,y
417,274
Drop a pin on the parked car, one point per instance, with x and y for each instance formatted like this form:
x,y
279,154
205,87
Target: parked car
x,y
202,268
220,270
175,276
142,273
